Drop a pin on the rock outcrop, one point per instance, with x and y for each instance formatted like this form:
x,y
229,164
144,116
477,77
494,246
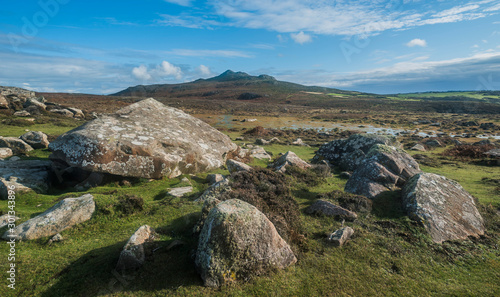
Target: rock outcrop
x,y
236,166
25,176
289,159
237,242
447,211
348,153
146,139
63,215
135,251
384,168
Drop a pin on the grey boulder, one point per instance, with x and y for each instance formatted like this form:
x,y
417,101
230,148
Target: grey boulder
x,y
326,208
145,139
63,215
236,166
289,159
238,241
37,140
446,210
18,146
24,176
135,250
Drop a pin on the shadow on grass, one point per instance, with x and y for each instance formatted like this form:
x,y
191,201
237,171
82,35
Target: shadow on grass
x,y
93,274
388,205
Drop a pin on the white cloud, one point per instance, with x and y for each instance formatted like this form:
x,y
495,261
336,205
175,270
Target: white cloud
x,y
180,2
187,21
204,71
141,73
167,69
417,42
282,38
301,37
493,8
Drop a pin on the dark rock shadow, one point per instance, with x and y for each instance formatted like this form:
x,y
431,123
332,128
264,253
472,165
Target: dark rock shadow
x,y
388,205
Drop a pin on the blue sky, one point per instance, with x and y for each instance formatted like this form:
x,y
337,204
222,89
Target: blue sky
x,y
380,46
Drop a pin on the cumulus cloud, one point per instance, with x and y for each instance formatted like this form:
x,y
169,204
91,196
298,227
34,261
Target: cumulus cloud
x,y
141,73
417,42
167,69
301,37
204,71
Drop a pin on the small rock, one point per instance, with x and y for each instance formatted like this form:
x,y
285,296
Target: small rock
x,y
22,113
289,159
418,147
259,153
345,174
299,142
235,166
15,159
135,251
5,152
326,208
214,178
339,237
36,140
63,112
179,192
275,140
17,145
77,113
56,238
4,104
261,141
239,139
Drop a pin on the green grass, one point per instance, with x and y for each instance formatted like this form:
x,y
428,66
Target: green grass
x,y
389,255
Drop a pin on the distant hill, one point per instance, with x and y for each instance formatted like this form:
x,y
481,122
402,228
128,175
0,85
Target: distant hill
x,y
230,85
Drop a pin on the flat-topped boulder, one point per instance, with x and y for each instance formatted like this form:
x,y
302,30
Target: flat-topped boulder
x,y
446,210
146,139
348,153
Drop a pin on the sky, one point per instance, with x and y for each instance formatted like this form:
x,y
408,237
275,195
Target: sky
x,y
377,46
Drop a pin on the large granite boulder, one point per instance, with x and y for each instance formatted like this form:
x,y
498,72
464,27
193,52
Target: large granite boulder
x,y
446,210
25,176
237,242
36,140
289,159
348,153
18,146
135,250
63,215
384,168
146,139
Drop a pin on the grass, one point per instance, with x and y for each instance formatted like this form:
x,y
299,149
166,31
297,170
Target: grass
x,y
389,254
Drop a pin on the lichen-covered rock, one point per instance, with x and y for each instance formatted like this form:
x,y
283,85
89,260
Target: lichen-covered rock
x,y
260,153
36,140
215,190
146,139
339,237
7,219
17,145
237,242
418,147
447,211
384,168
135,251
289,159
63,215
236,166
5,152
25,176
348,153
326,208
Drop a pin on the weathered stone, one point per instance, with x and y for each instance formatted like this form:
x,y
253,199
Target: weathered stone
x,y
24,176
384,168
494,153
135,251
300,142
215,190
34,102
275,140
235,166
146,139
260,153
445,209
5,152
208,204
348,153
261,141
7,219
63,215
181,191
22,113
214,178
418,147
63,112
326,208
17,145
289,159
4,104
237,242
339,237
56,238
36,140
434,142
77,113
